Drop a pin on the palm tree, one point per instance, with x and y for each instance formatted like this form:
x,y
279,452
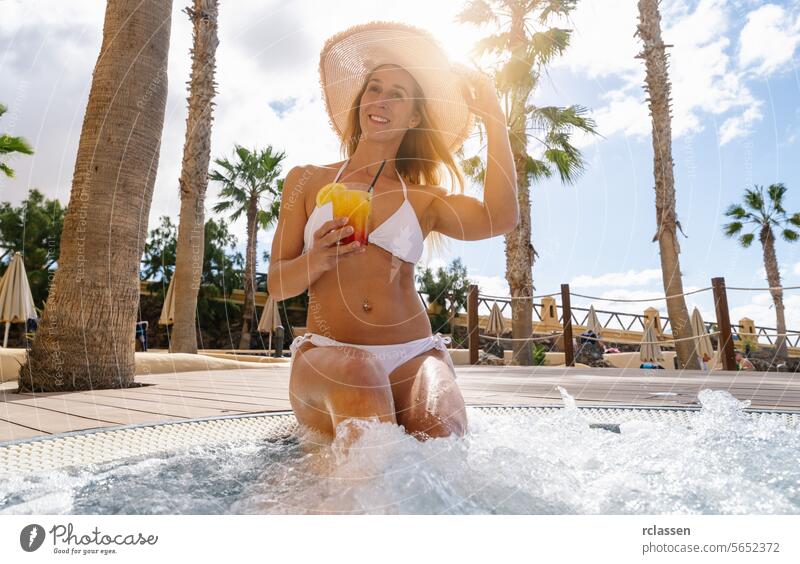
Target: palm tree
x,y
658,87
194,175
86,337
9,144
524,51
246,182
765,214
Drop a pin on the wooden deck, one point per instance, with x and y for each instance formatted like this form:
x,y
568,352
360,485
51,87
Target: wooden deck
x,y
187,395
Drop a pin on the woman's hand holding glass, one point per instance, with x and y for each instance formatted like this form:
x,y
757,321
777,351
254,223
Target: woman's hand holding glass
x,y
326,251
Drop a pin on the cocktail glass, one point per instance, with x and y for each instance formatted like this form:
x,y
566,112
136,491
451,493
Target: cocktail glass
x,y
353,203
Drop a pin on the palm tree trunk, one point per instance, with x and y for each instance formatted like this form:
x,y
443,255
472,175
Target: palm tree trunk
x,y
519,268
194,176
519,250
658,88
774,279
86,337
249,276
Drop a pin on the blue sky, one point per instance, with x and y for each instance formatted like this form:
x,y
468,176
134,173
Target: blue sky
x,y
736,93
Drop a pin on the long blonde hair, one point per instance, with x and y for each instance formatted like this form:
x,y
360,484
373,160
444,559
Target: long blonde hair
x,y
423,158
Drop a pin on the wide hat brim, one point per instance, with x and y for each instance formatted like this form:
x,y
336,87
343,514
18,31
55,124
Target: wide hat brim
x,y
349,56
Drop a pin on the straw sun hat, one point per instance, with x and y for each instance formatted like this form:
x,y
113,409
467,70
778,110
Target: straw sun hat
x,y
349,56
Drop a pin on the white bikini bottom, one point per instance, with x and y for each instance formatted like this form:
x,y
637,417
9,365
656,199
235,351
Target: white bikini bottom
x,y
390,356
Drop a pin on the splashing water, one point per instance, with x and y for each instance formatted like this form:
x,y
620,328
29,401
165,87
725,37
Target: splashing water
x,y
723,462
569,401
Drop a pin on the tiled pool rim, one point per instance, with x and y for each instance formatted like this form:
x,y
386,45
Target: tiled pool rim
x,y
105,444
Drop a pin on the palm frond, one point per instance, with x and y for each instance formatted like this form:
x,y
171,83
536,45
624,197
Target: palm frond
x,y
235,193
537,169
10,144
491,44
736,211
216,176
794,219
244,154
262,219
790,235
754,199
275,208
477,12
561,119
222,206
568,163
551,8
515,72
474,168
266,218
546,45
733,228
249,176
227,165
746,239
776,192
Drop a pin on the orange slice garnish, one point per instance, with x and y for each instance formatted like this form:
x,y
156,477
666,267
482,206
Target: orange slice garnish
x,y
326,192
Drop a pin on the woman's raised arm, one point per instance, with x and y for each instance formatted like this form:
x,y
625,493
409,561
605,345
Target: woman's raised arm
x,y
467,218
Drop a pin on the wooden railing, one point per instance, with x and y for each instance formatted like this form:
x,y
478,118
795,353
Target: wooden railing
x,y
549,315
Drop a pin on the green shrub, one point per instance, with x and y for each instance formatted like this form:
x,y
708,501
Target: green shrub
x,y
538,352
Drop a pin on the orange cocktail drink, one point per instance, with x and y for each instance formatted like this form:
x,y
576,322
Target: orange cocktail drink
x,y
355,205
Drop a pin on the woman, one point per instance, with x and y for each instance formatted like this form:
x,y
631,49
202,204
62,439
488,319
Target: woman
x,y
397,103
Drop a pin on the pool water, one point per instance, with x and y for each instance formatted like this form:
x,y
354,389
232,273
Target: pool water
x,y
723,462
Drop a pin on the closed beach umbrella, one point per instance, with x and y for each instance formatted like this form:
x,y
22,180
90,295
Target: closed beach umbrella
x,y
650,351
270,319
495,324
16,300
168,309
592,323
703,341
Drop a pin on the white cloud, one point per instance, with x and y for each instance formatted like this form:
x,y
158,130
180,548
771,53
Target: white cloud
x,y
436,263
635,302
617,279
796,269
602,43
703,77
624,113
491,285
761,310
43,14
768,40
608,299
738,126
762,272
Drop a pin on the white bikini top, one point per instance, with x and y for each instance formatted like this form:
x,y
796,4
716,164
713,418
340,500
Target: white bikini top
x,y
401,234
